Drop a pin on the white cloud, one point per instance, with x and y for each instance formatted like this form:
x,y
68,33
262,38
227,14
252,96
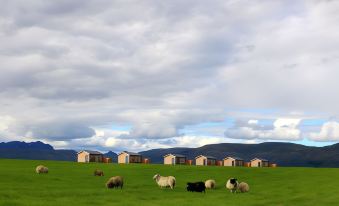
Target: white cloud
x,y
53,130
5,123
152,131
196,141
105,133
286,122
253,122
283,129
328,132
105,140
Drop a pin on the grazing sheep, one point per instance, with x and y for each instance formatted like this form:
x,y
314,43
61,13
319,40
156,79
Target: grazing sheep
x,y
196,187
115,182
164,181
210,184
41,169
98,172
243,187
232,184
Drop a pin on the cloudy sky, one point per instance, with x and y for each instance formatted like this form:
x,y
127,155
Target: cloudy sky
x,y
135,75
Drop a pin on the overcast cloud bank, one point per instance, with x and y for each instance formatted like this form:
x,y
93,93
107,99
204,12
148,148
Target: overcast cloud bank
x,y
73,73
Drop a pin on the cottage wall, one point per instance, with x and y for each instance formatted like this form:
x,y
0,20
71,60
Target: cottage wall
x,y
200,160
134,159
211,162
265,164
180,160
82,157
168,160
122,158
95,158
255,163
228,162
239,163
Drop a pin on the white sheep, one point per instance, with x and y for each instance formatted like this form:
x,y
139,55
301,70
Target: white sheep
x,y
210,184
243,187
41,169
232,184
164,181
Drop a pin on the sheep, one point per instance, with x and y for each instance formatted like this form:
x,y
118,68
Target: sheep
x,y
98,172
210,184
164,181
243,187
41,169
196,187
232,185
115,182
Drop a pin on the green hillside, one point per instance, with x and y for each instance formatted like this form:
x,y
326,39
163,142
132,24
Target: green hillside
x,y
70,183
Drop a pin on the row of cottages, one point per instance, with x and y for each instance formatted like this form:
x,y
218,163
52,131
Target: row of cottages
x,y
228,161
238,162
124,157
204,160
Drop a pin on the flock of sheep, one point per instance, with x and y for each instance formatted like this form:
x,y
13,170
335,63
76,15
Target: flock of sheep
x,y
168,182
232,184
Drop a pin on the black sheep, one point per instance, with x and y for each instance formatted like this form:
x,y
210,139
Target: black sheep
x,y
196,187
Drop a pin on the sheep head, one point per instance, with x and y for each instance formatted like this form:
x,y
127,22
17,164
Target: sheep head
x,y
233,181
156,177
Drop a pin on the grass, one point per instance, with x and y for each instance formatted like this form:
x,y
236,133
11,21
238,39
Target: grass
x,y
70,183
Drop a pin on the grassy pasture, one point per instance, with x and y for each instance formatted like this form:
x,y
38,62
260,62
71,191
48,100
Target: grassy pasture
x,y
70,183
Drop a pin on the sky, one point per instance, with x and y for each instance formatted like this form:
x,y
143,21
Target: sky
x,y
137,75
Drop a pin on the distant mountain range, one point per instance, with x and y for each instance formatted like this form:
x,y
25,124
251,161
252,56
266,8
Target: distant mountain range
x,y
34,150
40,151
23,145
284,154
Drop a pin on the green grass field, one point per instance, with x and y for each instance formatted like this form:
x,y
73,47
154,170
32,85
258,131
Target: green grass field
x,y
70,183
